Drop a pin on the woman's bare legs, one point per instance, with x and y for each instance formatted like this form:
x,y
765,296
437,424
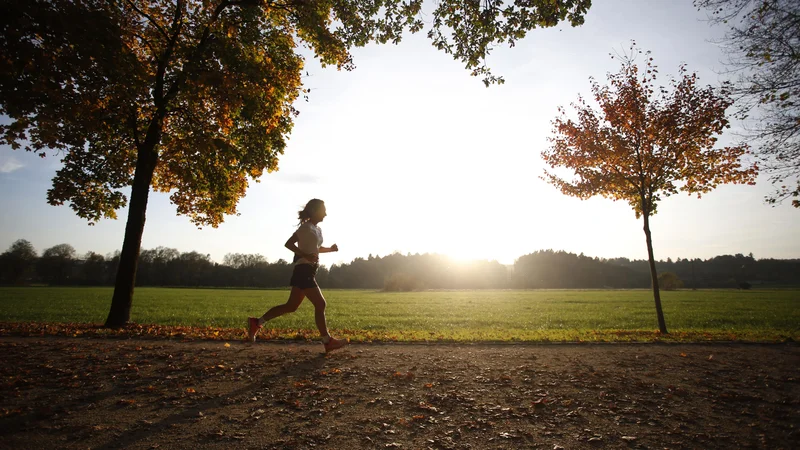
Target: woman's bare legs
x,y
295,298
316,297
318,300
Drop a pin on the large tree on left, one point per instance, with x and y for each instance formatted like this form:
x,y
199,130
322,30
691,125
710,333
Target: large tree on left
x,y
194,97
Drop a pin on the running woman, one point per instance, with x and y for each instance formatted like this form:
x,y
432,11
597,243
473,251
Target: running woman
x,y
306,243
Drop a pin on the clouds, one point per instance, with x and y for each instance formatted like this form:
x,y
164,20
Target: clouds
x,y
9,163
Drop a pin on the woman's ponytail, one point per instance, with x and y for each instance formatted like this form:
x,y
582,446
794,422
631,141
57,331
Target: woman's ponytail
x,y
311,207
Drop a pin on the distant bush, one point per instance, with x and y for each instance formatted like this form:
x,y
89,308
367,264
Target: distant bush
x,y
400,282
745,285
668,281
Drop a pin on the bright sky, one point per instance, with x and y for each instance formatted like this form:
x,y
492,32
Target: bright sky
x,y
411,154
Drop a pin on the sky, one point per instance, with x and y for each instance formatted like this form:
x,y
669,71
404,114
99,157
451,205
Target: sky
x,y
413,155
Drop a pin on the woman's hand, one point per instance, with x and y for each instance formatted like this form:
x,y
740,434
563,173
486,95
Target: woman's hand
x,y
334,248
312,257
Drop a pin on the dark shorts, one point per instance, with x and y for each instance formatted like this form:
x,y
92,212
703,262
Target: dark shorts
x,y
303,276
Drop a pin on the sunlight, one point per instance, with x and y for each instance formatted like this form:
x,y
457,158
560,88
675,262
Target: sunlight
x,y
478,237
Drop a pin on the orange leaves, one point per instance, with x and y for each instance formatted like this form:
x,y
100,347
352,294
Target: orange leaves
x,y
131,330
639,145
408,376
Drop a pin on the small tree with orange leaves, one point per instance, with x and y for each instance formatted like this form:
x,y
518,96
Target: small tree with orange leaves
x,y
646,142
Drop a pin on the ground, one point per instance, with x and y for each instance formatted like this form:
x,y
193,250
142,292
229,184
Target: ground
x,y
92,392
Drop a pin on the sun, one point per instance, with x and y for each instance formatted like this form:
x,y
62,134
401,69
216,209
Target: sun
x,y
476,241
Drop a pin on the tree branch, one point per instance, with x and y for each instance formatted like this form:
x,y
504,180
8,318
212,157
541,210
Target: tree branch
x,y
148,44
149,18
135,128
162,66
198,49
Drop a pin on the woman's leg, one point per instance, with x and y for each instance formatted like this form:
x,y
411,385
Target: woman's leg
x,y
315,295
295,298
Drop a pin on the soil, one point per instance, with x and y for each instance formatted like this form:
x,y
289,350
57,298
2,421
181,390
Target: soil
x,y
139,393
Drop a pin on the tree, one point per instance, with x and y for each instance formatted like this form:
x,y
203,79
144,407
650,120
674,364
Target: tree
x,y
243,261
154,266
191,269
196,97
249,269
400,282
17,262
646,142
669,281
55,265
93,269
763,48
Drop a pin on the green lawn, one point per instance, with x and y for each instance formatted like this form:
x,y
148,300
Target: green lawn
x,y
537,315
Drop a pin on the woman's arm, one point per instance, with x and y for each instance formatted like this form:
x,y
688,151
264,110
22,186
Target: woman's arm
x,y
291,244
332,248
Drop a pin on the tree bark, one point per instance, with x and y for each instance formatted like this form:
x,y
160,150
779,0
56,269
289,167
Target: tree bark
x,y
147,158
662,326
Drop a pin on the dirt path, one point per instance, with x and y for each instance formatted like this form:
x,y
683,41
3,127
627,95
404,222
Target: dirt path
x,y
137,393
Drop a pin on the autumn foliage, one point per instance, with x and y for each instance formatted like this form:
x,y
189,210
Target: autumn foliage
x,y
645,142
196,98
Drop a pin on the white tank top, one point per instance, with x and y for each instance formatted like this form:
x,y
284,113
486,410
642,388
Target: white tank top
x,y
309,240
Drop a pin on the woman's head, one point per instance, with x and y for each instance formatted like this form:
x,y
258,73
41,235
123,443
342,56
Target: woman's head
x,y
313,211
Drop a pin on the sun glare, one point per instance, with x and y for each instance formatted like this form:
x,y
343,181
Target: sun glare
x,y
479,239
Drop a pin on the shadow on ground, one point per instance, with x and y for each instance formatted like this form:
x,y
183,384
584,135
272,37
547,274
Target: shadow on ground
x,y
112,393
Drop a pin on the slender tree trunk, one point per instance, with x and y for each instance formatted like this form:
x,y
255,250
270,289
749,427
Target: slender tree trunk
x,y
146,161
653,274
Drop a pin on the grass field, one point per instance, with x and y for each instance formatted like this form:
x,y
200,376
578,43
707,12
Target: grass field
x,y
537,315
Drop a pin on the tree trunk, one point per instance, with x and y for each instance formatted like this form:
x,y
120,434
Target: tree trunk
x,y
147,158
662,326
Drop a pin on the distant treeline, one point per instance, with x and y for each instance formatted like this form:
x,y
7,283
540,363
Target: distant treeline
x,y
546,269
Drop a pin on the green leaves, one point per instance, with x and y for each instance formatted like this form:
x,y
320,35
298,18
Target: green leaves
x,y
203,90
469,29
